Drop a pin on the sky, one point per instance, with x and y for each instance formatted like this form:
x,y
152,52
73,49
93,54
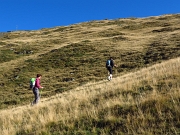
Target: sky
x,y
39,14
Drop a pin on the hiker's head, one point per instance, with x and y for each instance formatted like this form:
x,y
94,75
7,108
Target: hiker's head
x,y
110,58
38,75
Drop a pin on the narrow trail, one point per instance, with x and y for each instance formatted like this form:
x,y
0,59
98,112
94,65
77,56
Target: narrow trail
x,y
148,72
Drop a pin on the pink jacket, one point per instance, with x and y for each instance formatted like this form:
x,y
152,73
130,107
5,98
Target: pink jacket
x,y
37,83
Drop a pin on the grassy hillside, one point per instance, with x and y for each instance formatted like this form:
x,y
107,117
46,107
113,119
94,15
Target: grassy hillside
x,y
71,57
143,102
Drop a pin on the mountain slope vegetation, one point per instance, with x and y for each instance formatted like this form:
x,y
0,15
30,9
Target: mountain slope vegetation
x,y
72,62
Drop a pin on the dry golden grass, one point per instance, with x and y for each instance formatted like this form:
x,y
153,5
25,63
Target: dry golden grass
x,y
78,102
138,100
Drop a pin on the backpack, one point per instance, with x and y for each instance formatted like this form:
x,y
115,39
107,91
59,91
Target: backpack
x,y
32,83
108,63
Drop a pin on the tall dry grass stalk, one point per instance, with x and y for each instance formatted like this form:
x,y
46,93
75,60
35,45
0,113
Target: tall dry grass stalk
x,y
71,105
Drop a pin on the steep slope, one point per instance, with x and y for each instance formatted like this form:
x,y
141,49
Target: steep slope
x,y
75,55
142,102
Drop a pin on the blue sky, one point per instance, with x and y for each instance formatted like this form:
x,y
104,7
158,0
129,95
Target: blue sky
x,y
38,14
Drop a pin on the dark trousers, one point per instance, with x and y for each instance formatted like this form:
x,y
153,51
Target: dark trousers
x,y
109,69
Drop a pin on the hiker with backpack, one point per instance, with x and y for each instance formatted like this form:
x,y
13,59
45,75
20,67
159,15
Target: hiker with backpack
x,y
109,65
36,88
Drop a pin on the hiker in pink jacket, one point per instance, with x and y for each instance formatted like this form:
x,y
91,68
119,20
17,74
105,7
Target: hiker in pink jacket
x,y
36,89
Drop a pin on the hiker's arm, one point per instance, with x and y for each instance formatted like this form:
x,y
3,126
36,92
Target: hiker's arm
x,y
38,84
114,65
41,87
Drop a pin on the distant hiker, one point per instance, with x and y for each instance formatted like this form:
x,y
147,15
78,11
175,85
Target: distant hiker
x,y
32,83
36,89
109,65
